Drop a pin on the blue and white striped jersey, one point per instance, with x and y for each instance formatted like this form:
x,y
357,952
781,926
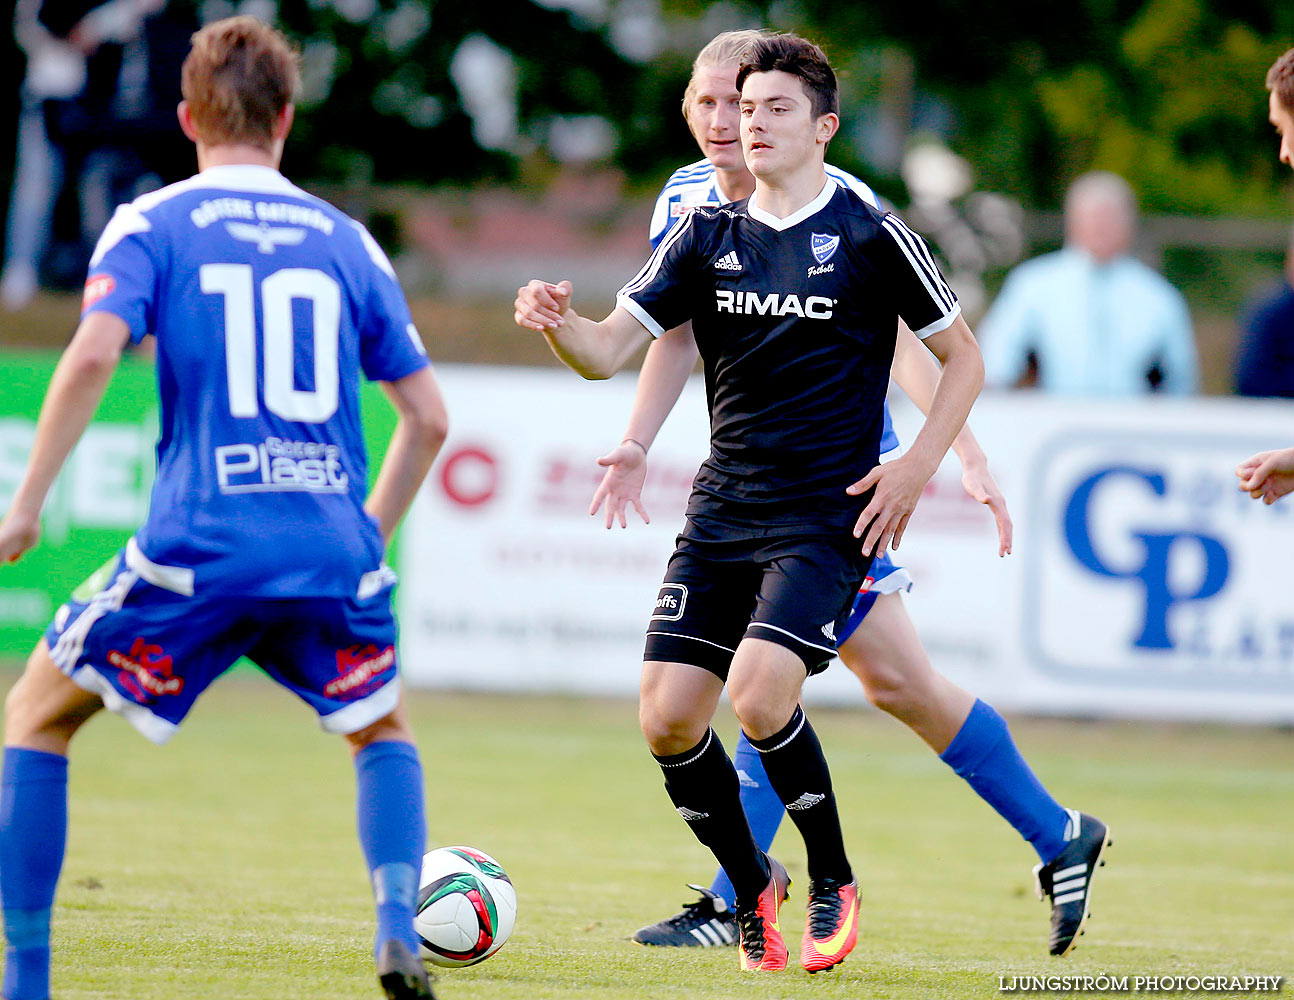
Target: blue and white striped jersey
x,y
266,304
696,186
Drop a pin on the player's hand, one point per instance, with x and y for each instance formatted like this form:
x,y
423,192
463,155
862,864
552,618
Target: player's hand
x,y
626,466
898,488
18,533
979,483
541,305
1269,475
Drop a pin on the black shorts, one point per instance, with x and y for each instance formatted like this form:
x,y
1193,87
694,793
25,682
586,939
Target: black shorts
x,y
796,591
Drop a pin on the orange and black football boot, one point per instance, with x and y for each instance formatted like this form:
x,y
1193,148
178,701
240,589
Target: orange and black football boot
x,y
831,930
760,946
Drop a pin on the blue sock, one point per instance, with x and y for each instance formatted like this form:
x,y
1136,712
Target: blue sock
x,y
393,833
984,754
763,807
33,835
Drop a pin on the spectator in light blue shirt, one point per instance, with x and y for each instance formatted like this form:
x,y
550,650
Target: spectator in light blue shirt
x,y
1096,321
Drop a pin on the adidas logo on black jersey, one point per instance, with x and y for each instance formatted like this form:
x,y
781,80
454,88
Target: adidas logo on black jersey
x,y
728,262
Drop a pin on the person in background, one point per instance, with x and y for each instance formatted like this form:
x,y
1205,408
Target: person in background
x,y
75,69
55,70
1093,319
1269,475
1265,357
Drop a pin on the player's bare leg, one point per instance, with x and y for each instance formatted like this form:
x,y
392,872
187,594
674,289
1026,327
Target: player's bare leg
x,y
45,708
393,833
43,711
676,702
887,656
764,685
898,678
391,728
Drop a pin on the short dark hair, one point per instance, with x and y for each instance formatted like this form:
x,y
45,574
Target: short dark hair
x,y
800,58
1280,80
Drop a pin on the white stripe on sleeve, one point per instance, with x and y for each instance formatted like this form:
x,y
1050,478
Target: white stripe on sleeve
x,y
126,221
652,267
921,262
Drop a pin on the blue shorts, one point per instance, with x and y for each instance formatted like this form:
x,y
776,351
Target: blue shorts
x,y
137,636
883,578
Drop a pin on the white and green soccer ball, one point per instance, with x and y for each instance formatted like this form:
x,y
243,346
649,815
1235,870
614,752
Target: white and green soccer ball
x,y
466,907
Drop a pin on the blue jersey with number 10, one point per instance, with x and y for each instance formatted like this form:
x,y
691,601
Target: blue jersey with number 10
x,y
266,304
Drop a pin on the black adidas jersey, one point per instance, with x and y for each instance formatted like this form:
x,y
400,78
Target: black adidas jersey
x,y
795,320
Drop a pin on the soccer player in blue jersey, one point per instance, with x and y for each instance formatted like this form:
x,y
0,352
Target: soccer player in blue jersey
x,y
266,305
878,642
794,296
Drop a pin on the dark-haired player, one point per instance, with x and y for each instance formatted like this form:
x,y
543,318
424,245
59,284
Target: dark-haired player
x,y
879,642
267,305
794,296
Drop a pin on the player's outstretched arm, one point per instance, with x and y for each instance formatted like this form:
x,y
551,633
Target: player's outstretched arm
x,y
74,392
899,483
593,350
417,438
916,372
670,360
1269,475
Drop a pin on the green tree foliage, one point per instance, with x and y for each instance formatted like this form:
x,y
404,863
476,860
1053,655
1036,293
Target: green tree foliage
x,y
1178,109
1166,92
385,107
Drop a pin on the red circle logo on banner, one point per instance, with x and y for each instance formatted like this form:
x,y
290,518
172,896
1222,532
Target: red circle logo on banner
x,y
470,476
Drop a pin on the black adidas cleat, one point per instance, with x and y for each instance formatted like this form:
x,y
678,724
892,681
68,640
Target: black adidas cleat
x,y
1067,880
402,973
707,923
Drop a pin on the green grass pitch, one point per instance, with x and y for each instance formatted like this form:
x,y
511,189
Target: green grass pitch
x,y
225,865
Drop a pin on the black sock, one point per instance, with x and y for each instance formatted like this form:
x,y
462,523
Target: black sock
x,y
702,784
797,770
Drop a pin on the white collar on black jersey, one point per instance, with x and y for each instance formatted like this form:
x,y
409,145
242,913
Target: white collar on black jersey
x,y
795,218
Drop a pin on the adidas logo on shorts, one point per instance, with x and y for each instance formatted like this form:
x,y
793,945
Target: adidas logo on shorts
x,y
728,262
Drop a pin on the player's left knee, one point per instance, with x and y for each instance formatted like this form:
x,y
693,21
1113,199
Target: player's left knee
x,y
760,710
891,692
668,731
889,684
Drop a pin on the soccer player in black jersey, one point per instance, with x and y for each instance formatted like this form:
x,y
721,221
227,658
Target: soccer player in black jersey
x,y
879,642
794,295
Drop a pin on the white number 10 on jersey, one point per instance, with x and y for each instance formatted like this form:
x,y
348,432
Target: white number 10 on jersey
x,y
282,397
